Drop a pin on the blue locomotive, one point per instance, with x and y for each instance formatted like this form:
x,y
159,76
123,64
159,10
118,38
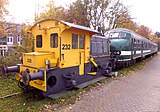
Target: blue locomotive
x,y
128,47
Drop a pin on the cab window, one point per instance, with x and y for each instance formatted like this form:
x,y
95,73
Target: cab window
x,y
74,41
81,42
128,35
122,35
39,41
113,35
54,40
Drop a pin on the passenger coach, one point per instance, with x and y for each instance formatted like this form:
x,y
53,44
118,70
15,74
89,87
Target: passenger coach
x,y
127,46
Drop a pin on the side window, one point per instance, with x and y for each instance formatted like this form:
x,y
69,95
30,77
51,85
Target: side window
x,y
74,41
128,35
99,47
54,40
7,39
105,47
11,39
81,41
39,41
93,48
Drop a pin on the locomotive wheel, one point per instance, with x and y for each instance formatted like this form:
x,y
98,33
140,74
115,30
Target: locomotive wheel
x,y
106,70
133,62
23,87
126,64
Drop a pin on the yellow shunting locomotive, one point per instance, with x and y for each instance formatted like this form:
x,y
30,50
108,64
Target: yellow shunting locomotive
x,y
65,55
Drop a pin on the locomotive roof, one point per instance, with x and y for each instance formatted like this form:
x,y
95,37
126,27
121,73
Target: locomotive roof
x,y
130,31
71,25
100,36
79,27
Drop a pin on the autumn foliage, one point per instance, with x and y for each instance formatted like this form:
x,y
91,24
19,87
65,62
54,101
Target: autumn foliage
x,y
3,12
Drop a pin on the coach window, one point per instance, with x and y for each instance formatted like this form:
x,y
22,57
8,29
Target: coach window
x,y
138,44
74,41
81,41
134,41
142,44
146,45
54,40
39,41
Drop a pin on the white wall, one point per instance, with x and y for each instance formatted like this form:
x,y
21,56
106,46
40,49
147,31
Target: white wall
x,y
9,40
3,50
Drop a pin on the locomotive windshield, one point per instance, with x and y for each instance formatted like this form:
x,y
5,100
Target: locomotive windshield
x,y
117,35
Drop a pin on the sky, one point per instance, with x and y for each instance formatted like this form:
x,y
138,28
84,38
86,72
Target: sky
x,y
144,12
22,11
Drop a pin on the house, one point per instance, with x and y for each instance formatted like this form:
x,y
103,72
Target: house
x,y
10,38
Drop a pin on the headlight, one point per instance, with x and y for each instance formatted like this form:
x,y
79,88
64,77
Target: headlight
x,y
47,62
116,52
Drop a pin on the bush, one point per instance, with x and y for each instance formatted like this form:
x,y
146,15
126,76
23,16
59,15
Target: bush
x,y
12,57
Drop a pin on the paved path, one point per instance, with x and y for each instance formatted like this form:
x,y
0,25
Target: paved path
x,y
139,92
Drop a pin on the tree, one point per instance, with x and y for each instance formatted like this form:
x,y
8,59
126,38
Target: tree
x,y
104,13
157,34
125,21
153,38
3,12
90,13
144,31
51,12
97,12
75,12
27,39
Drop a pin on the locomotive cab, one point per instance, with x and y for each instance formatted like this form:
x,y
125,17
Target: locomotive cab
x,y
120,43
58,45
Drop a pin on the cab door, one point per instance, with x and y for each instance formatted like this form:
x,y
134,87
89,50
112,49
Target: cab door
x,y
81,53
53,41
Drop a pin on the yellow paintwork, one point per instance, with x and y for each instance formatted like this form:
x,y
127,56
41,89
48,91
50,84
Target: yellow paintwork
x,y
81,65
57,56
39,84
37,60
94,63
92,73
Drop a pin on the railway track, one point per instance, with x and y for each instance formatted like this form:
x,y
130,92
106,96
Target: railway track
x,y
11,95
